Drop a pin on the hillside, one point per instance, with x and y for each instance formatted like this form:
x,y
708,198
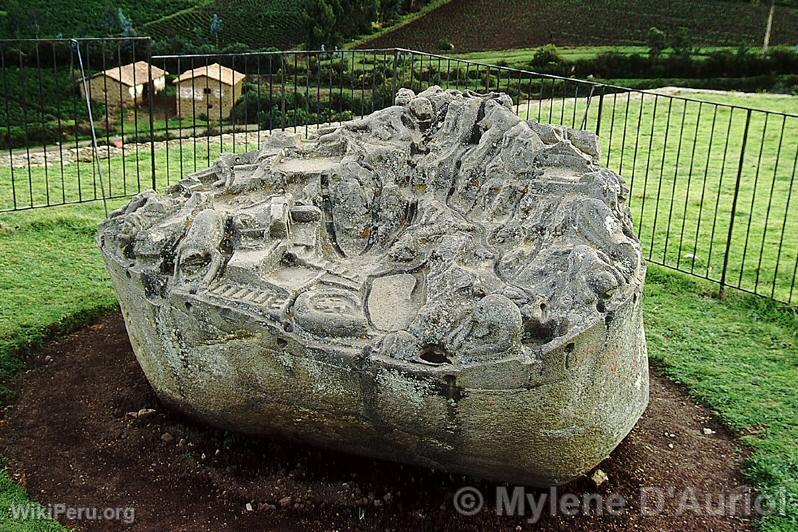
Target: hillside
x,y
488,25
256,23
83,18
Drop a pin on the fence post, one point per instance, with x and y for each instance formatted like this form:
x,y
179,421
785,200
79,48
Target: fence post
x,y
600,109
723,274
151,97
395,68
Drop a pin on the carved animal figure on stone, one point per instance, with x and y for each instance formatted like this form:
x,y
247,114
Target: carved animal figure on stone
x,y
198,255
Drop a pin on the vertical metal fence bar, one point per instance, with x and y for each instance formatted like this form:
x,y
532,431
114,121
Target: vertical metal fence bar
x,y
221,108
73,75
271,93
784,222
720,189
396,56
232,117
192,76
724,272
104,67
179,109
258,111
166,129
150,92
770,203
661,174
687,190
623,137
307,92
8,127
753,198
24,83
648,167
43,126
704,186
121,114
61,135
576,104
675,179
136,118
318,92
600,111
352,86
341,88
792,283
637,146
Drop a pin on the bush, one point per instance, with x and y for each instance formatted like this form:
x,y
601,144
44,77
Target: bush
x,y
546,56
445,44
719,64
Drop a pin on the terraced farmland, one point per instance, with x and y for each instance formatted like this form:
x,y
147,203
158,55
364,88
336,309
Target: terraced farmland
x,y
472,25
258,24
85,18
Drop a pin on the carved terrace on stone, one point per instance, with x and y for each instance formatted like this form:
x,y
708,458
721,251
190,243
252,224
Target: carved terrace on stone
x,y
440,283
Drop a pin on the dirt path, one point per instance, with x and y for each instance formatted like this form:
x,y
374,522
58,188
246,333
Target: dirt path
x,y
71,439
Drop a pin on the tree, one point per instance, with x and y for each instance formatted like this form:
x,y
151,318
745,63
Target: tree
x,y
126,24
109,22
319,18
657,41
216,28
21,21
681,44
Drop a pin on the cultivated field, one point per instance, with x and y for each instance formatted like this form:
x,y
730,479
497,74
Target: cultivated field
x,y
473,25
258,24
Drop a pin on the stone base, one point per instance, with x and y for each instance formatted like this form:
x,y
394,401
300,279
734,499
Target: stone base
x,y
537,424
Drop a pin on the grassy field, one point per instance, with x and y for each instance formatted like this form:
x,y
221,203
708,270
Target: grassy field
x,y
52,279
739,356
681,160
520,57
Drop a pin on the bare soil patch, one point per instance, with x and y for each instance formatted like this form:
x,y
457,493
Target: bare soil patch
x,y
70,439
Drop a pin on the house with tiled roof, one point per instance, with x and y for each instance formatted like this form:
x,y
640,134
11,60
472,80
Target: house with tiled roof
x,y
209,91
124,85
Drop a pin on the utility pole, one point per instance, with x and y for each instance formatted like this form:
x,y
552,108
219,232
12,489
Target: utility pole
x,y
766,44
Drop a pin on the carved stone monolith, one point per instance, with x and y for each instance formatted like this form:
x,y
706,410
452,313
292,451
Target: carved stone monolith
x,y
439,282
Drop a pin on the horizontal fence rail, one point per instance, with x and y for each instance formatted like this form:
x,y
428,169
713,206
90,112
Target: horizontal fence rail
x,y
710,184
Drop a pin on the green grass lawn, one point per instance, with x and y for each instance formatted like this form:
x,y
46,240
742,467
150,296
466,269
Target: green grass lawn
x,y
51,279
680,159
520,57
739,356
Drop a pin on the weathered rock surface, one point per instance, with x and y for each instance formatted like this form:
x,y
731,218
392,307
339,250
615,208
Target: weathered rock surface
x,y
440,283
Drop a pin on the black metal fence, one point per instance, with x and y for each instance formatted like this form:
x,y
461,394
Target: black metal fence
x,y
47,157
711,184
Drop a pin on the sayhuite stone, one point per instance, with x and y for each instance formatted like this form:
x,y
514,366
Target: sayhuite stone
x,y
439,283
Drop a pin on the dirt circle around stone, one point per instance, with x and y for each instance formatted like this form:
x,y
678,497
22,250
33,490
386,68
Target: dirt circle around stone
x,y
86,430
